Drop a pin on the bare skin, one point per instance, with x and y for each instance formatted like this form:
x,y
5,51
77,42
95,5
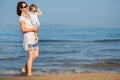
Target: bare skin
x,y
34,56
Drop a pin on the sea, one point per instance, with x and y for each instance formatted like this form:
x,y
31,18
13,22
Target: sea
x,y
64,49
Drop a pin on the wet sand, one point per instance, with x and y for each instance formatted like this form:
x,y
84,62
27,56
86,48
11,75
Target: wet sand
x,y
80,76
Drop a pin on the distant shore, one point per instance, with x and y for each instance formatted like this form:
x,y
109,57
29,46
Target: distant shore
x,y
80,76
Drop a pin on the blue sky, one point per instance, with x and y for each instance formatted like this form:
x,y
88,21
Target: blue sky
x,y
100,13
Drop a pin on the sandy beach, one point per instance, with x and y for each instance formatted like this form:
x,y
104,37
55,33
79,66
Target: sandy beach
x,y
80,76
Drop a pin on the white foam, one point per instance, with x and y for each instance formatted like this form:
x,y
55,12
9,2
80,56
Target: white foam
x,y
9,72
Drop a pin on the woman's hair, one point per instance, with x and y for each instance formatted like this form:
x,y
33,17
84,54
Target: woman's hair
x,y
19,5
31,6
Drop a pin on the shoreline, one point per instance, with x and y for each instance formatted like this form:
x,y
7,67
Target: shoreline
x,y
79,76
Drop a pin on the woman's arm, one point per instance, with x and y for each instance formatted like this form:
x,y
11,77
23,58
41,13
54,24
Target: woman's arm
x,y
39,12
24,30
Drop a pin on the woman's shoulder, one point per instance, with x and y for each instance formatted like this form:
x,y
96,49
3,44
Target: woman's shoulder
x,y
22,18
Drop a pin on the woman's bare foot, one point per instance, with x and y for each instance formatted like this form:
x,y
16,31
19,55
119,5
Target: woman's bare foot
x,y
29,75
24,70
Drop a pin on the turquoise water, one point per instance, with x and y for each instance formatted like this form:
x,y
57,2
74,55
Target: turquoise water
x,y
63,49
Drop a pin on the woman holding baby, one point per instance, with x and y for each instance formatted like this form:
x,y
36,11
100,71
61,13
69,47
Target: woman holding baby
x,y
30,37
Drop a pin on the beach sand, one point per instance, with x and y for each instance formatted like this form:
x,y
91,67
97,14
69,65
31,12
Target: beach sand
x,y
80,76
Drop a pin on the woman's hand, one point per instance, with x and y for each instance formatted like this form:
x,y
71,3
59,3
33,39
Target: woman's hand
x,y
24,29
35,29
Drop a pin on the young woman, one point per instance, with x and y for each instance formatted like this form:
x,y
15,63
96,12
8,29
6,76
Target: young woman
x,y
29,42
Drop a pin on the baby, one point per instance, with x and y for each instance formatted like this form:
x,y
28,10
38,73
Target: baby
x,y
34,12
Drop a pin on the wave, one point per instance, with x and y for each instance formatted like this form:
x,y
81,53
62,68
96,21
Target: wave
x,y
110,50
5,73
105,63
53,40
46,40
8,59
61,52
10,41
38,72
69,67
107,40
101,40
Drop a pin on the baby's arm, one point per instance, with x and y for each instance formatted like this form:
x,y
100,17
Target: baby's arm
x,y
39,12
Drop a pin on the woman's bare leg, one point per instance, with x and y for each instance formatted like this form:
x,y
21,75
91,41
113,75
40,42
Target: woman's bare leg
x,y
36,54
29,62
24,69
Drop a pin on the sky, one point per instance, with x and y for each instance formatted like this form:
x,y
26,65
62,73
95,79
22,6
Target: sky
x,y
99,13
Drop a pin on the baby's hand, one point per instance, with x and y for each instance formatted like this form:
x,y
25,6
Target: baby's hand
x,y
38,10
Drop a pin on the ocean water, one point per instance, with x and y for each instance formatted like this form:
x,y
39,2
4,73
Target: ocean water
x,y
63,50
